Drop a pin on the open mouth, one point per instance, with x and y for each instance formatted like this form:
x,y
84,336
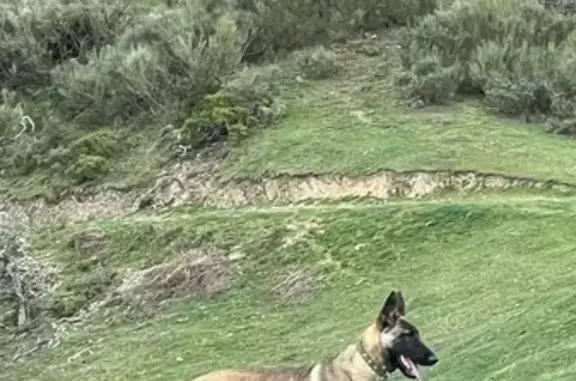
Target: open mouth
x,y
408,367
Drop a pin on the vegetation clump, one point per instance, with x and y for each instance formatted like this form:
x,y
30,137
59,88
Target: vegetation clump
x,y
318,63
517,56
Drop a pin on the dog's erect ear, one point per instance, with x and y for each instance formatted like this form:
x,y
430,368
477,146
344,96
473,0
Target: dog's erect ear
x,y
393,309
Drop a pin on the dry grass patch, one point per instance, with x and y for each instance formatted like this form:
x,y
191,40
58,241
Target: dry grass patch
x,y
293,286
200,272
23,279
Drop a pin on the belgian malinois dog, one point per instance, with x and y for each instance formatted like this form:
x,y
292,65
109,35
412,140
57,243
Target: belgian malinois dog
x,y
390,343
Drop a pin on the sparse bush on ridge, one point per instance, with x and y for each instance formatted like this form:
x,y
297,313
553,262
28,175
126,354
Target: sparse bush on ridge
x,y
519,57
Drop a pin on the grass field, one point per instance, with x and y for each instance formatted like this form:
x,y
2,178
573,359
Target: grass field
x,y
489,284
488,278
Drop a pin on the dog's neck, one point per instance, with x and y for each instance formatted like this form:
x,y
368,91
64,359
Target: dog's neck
x,y
354,363
372,342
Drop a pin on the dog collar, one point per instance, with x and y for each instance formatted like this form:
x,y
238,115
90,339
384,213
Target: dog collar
x,y
379,369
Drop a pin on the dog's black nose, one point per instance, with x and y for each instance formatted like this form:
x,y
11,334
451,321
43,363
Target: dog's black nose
x,y
432,359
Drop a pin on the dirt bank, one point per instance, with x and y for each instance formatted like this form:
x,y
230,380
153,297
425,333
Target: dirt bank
x,y
182,189
383,185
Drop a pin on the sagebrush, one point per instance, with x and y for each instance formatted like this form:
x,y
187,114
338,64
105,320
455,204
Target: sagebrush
x,y
317,63
518,56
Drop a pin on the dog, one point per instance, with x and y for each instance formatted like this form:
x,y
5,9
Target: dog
x,y
389,344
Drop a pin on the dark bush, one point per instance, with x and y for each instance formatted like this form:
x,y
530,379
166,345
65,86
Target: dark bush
x,y
37,35
248,100
281,26
516,55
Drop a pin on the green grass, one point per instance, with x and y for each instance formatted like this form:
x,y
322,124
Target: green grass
x,y
490,285
354,124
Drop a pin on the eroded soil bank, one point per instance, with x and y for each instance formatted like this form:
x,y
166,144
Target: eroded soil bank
x,y
181,189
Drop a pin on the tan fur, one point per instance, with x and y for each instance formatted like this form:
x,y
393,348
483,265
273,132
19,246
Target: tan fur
x,y
347,366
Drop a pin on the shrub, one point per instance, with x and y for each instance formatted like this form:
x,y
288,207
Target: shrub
x,y
282,26
564,6
430,81
13,122
248,100
318,63
62,152
18,143
36,35
78,291
168,75
516,55
85,158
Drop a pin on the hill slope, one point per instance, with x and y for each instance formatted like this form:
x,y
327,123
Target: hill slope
x,y
283,250
489,284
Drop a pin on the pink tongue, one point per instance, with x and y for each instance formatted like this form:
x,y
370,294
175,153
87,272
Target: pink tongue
x,y
410,367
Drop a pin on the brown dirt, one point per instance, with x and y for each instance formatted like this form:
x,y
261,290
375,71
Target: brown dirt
x,y
193,189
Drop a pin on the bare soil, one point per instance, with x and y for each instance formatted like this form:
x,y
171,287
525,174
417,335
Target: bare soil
x,y
184,188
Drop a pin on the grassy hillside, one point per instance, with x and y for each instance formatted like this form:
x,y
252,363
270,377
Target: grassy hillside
x,y
489,284
302,173
354,123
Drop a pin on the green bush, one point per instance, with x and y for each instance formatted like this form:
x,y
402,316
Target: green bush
x,y
281,26
19,142
78,292
516,55
85,158
37,35
317,63
13,121
248,100
62,152
161,66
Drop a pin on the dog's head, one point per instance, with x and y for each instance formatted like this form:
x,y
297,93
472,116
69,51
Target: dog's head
x,y
402,346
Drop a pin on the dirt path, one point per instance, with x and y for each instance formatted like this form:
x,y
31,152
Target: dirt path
x,y
181,189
